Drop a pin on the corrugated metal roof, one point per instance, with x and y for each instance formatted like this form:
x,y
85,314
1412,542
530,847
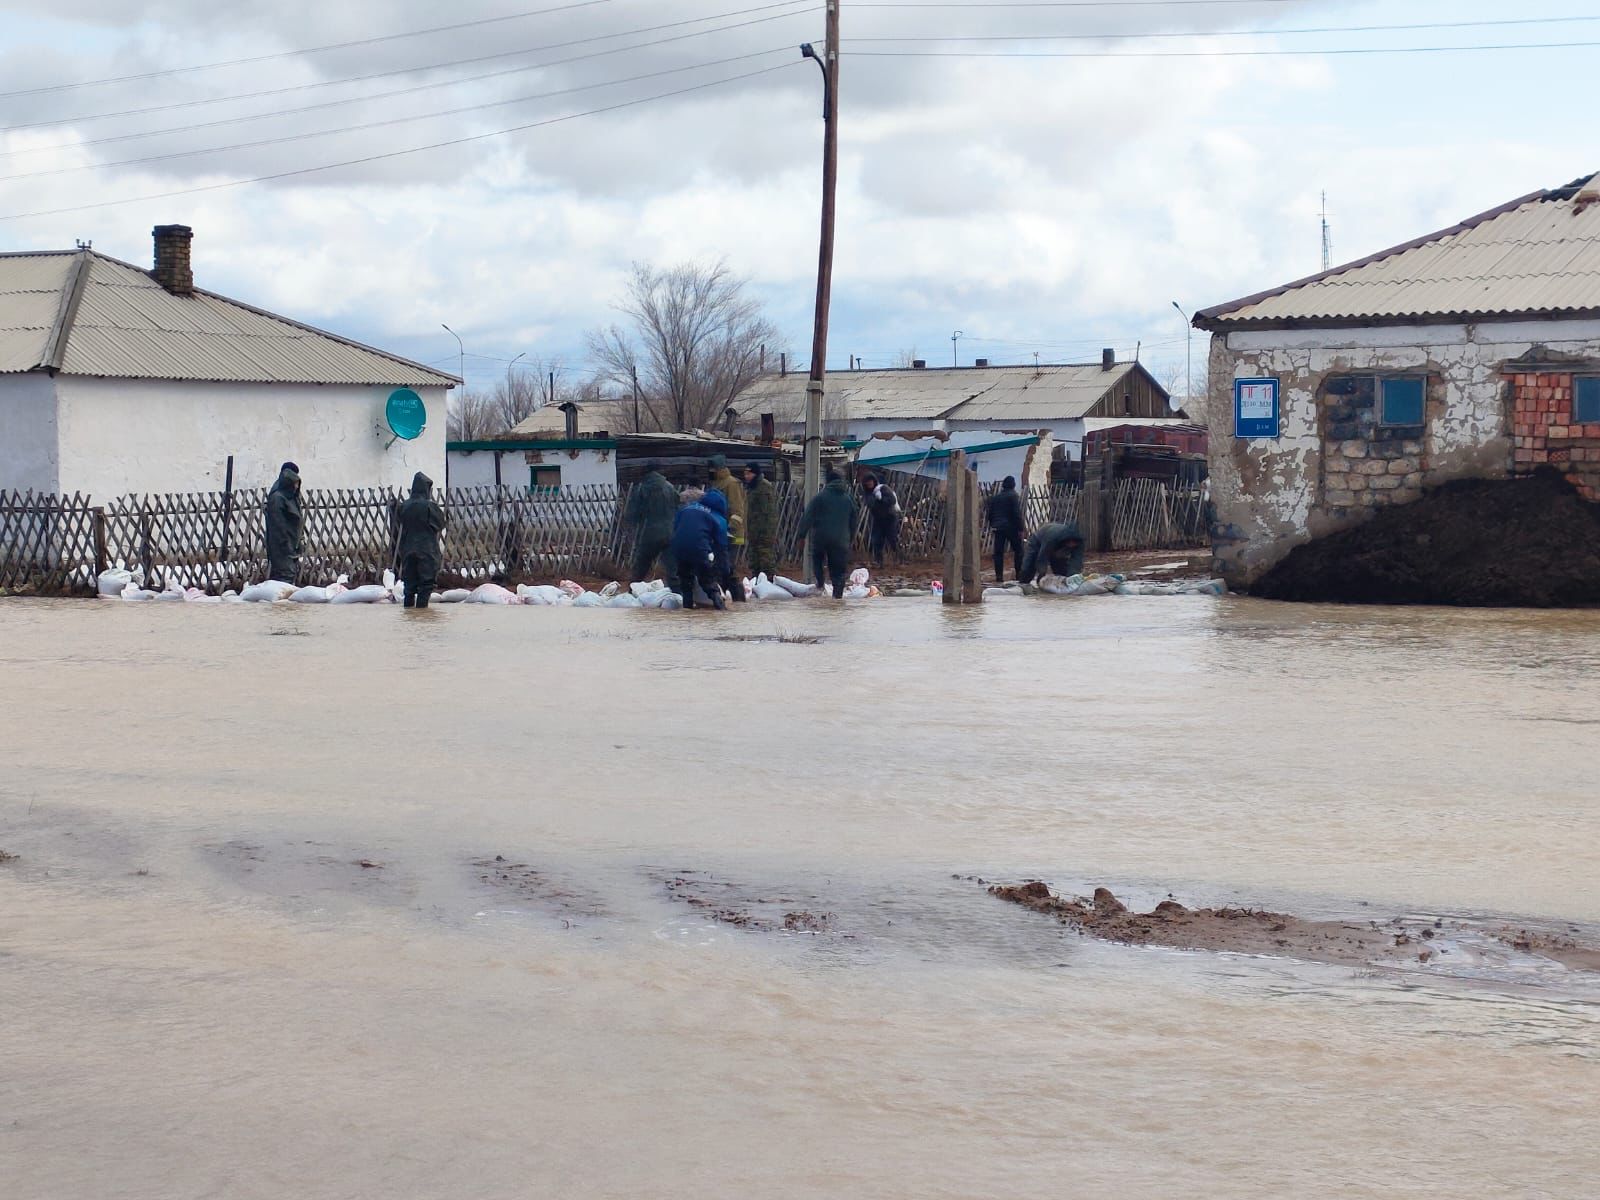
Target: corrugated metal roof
x,y
1538,255
602,416
1048,393
126,326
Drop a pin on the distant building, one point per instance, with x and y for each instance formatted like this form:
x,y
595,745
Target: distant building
x,y
1026,457
1057,399
114,379
1473,351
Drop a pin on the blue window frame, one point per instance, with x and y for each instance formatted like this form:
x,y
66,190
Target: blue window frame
x,y
1402,401
1586,400
544,481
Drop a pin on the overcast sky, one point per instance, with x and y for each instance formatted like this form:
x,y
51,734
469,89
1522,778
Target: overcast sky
x,y
1039,204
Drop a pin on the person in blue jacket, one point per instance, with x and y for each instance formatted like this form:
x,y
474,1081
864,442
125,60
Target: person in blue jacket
x,y
700,548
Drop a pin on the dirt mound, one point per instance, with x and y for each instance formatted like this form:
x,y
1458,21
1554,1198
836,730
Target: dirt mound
x,y
1531,543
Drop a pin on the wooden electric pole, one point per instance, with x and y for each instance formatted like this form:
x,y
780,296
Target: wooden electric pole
x,y
817,384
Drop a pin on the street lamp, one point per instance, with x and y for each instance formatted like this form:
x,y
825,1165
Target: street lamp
x,y
955,354
1188,354
461,369
510,365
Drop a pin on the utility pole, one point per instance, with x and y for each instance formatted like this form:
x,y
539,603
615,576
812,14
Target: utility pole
x,y
955,354
461,347
816,385
1188,354
636,426
1327,236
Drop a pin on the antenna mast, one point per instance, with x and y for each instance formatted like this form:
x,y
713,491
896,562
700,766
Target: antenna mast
x,y
1327,236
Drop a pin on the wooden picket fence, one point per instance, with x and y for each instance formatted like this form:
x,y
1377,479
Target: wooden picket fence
x,y
214,540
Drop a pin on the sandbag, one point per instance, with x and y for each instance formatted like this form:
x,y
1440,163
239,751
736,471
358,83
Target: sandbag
x,y
589,600
858,592
132,593
798,590
310,595
572,589
610,590
659,599
624,600
492,593
859,578
269,592
642,590
671,602
543,596
111,583
453,596
765,589
372,593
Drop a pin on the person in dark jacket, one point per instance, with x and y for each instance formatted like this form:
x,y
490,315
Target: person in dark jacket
x,y
700,549
421,523
728,559
652,509
761,521
830,519
1058,547
883,512
1007,524
285,526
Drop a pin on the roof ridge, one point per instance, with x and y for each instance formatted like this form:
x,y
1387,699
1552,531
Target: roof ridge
x,y
55,346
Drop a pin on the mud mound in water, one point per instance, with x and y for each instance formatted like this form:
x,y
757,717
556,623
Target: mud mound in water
x,y
1532,543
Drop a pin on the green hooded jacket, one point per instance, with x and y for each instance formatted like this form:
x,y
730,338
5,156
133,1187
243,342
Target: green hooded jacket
x,y
830,518
652,508
285,521
421,523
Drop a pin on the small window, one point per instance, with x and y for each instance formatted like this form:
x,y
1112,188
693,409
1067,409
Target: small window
x,y
1403,401
1586,400
544,480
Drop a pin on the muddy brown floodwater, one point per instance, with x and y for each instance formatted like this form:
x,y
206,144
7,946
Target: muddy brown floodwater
x,y
353,903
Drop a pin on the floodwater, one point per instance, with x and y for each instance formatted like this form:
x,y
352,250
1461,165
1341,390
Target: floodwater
x,y
202,992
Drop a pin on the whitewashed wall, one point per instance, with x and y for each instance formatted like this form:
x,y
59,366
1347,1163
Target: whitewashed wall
x,y
581,468
1065,432
120,436
1268,492
29,453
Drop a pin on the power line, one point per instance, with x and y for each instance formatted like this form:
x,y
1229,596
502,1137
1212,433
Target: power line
x,y
1340,51
992,4
449,112
372,158
261,58
1227,33
302,87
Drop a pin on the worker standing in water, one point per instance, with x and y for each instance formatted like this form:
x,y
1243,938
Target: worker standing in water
x,y
1007,525
652,509
421,523
700,549
1058,547
830,519
285,526
761,521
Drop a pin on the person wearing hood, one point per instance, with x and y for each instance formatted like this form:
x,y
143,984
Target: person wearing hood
x,y
700,548
1058,546
761,521
421,523
1006,523
732,490
285,526
830,519
883,512
652,508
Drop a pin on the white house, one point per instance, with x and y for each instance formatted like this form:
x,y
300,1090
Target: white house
x,y
114,379
1473,351
1053,398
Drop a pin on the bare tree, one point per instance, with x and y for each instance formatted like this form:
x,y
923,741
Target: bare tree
x,y
471,417
905,358
694,336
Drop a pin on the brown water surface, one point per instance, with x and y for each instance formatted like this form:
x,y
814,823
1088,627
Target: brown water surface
x,y
202,992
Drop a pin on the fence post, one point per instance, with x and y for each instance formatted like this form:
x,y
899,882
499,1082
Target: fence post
x,y
227,517
963,583
102,560
145,560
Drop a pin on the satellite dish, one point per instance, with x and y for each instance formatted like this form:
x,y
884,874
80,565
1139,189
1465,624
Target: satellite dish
x,y
406,414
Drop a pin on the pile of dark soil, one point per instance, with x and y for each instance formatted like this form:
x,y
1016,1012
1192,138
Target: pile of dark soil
x,y
1532,543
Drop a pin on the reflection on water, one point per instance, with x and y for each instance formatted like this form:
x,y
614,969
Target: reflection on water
x,y
398,907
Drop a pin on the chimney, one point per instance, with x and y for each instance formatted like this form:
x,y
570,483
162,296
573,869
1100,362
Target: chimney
x,y
769,428
173,270
571,411
919,364
982,362
1108,359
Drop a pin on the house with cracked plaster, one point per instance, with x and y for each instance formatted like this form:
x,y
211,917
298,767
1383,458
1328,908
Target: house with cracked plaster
x,y
1473,351
118,379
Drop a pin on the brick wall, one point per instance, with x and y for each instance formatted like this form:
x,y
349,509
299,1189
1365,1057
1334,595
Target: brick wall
x,y
1543,433
1365,464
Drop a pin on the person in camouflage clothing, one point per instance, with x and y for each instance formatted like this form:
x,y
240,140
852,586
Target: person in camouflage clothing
x,y
761,521
652,509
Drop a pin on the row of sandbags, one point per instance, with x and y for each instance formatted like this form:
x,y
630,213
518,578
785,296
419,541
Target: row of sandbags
x,y
1109,585
117,584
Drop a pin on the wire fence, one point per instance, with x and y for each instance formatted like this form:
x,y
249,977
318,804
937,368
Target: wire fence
x,y
216,540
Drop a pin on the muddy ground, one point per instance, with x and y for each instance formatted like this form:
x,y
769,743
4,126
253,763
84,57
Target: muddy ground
x,y
1531,543
1395,941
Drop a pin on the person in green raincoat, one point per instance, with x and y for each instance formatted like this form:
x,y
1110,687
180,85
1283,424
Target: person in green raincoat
x,y
421,523
652,510
830,519
285,526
